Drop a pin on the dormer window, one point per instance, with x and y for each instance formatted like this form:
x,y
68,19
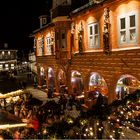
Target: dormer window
x,y
44,21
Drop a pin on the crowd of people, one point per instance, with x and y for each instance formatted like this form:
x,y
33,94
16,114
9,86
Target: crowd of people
x,y
37,117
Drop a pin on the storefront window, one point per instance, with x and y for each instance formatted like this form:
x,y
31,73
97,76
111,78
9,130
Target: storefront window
x,y
97,83
127,84
61,77
77,83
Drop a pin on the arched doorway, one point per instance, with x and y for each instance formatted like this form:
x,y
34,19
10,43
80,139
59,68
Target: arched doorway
x,y
97,82
42,76
62,82
61,77
76,83
51,82
97,87
126,84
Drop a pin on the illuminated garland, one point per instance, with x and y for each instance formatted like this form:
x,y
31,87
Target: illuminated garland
x,y
122,119
6,126
11,94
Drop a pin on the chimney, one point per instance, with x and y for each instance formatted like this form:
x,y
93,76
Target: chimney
x,y
43,20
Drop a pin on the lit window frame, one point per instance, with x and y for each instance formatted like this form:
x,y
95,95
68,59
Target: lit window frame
x,y
128,28
6,66
92,44
48,45
40,47
12,66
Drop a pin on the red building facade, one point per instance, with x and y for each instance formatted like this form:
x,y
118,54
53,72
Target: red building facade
x,y
96,48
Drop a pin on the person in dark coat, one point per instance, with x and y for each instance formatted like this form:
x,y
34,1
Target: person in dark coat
x,y
71,101
99,104
50,93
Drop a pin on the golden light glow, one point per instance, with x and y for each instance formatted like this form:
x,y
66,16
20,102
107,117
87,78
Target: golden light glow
x,y
11,94
5,126
90,128
121,112
118,120
91,133
127,127
85,135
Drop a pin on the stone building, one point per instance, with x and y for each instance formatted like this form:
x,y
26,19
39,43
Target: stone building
x,y
8,58
92,49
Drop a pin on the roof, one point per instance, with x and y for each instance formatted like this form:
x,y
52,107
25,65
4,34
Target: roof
x,y
39,29
88,5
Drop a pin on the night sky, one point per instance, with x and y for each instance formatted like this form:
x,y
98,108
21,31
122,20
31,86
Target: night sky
x,y
18,19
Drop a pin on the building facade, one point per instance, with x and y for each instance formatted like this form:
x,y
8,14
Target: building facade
x,y
95,48
32,62
8,59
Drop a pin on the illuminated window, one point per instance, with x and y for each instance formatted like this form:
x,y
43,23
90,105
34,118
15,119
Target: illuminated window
x,y
6,67
48,45
1,66
93,35
128,28
123,30
12,66
41,71
40,47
